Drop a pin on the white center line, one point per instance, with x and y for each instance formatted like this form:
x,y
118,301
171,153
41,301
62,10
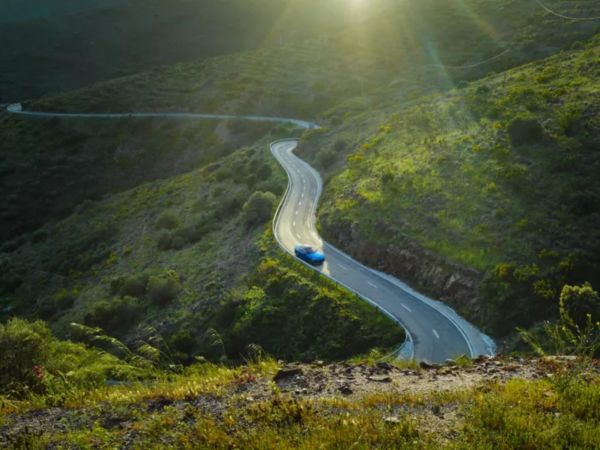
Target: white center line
x,y
300,204
294,223
343,266
371,284
296,212
435,333
405,307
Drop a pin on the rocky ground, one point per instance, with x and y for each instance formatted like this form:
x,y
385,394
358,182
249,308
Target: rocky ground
x,y
314,381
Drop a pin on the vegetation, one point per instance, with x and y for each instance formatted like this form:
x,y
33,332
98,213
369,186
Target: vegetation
x,y
192,257
488,176
35,363
142,292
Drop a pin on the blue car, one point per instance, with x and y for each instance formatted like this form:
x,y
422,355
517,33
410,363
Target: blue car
x,y
309,254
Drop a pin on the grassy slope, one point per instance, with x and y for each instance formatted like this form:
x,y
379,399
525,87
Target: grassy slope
x,y
229,275
210,406
454,175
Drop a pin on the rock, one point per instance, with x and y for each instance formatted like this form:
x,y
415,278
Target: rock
x,y
384,366
345,389
393,420
159,404
380,378
427,365
287,372
436,410
318,363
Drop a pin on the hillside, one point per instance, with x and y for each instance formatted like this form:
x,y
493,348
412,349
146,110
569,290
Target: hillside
x,y
179,256
266,81
492,186
60,45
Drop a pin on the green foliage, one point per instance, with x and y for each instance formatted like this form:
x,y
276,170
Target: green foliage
x,y
533,414
115,314
525,131
572,335
24,350
489,174
33,361
322,320
132,286
167,220
259,208
163,288
580,303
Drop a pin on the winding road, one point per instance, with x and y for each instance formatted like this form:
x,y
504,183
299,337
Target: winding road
x,y
434,331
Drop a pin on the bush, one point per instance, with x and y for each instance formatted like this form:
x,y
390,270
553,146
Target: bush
x,y
164,288
340,145
263,172
580,302
39,236
229,205
164,240
131,286
115,314
525,131
167,220
326,158
259,207
24,350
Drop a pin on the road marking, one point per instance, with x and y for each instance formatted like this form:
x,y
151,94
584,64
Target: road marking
x,y
294,223
296,212
372,284
405,307
342,266
303,195
435,333
300,204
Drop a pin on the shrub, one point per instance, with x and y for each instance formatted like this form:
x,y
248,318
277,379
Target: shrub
x,y
263,172
258,208
167,220
131,286
39,236
24,350
115,314
525,131
163,288
164,240
340,145
326,158
229,205
581,302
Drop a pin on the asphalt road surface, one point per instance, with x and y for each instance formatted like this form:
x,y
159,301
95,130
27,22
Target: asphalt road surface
x,y
436,333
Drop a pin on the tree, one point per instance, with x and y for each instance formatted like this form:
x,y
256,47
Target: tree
x,y
258,208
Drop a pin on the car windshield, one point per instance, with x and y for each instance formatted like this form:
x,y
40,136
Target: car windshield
x,y
309,249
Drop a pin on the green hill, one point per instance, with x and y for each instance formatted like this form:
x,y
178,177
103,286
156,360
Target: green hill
x,y
494,182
